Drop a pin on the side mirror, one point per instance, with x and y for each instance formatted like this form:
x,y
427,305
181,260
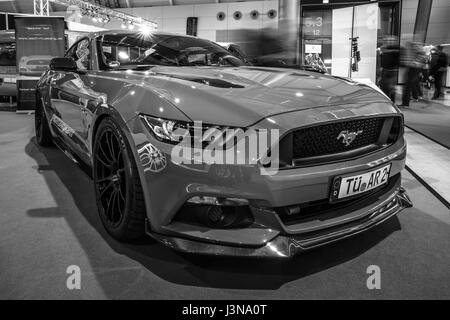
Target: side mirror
x,y
63,64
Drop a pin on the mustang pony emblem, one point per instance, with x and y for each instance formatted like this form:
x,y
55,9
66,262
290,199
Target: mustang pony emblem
x,y
348,137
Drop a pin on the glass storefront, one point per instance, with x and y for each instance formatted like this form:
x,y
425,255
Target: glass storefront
x,y
345,37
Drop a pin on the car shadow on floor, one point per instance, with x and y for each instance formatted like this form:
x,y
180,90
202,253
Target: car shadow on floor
x,y
191,270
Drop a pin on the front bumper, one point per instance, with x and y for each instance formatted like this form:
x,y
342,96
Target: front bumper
x,y
286,246
168,186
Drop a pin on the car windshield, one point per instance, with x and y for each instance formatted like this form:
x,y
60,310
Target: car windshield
x,y
135,50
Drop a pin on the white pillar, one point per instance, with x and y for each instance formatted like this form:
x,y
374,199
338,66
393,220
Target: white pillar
x,y
289,23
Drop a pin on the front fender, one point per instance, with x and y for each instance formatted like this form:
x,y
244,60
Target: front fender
x,y
131,95
101,113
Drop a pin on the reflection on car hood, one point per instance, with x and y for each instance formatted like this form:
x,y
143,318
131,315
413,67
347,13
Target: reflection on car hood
x,y
245,95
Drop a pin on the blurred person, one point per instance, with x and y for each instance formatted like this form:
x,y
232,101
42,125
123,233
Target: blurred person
x,y
426,72
389,63
266,44
421,65
413,58
438,67
277,47
422,73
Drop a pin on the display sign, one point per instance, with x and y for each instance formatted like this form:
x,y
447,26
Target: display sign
x,y
313,48
317,23
38,40
191,26
26,92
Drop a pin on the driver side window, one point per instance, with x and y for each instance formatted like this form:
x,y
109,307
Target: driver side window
x,y
80,53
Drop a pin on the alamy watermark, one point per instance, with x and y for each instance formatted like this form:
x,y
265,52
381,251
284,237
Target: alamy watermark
x,y
231,146
73,281
374,279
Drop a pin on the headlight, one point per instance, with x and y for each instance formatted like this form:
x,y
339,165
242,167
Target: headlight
x,y
166,130
174,131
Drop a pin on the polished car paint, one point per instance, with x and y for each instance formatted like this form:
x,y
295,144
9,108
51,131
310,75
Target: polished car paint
x,y
249,97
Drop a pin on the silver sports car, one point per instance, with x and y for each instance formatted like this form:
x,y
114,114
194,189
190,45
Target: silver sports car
x,y
208,155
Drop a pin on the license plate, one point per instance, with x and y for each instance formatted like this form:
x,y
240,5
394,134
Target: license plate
x,y
347,186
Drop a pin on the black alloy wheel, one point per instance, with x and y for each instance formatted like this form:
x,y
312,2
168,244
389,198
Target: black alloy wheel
x,y
117,185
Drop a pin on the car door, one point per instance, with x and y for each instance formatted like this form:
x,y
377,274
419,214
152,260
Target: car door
x,y
73,98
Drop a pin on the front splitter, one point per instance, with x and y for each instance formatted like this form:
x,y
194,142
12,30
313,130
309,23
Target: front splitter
x,y
286,246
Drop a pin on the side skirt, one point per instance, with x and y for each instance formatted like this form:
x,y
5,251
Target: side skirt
x,y
86,168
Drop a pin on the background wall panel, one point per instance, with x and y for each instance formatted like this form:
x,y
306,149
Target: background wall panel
x,y
439,25
173,18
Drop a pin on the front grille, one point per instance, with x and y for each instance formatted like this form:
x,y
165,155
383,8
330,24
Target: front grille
x,y
323,139
322,143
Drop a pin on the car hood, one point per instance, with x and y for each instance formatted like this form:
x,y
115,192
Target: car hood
x,y
242,96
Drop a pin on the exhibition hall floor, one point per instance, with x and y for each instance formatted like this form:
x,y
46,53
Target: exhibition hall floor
x,y
431,118
49,221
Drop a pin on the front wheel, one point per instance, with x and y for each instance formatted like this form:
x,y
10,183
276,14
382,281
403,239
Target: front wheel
x,y
118,188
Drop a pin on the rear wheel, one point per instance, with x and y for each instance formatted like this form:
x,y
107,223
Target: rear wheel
x,y
118,188
42,130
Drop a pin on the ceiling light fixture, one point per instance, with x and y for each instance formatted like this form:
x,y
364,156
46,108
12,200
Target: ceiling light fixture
x,y
104,15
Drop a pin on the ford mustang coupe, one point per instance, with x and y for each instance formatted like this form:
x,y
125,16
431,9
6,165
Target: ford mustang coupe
x,y
141,112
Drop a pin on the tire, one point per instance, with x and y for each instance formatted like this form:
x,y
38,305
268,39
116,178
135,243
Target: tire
x,y
42,130
118,188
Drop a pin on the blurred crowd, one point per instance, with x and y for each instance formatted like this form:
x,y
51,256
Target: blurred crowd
x,y
425,67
